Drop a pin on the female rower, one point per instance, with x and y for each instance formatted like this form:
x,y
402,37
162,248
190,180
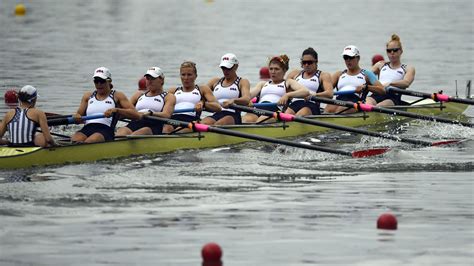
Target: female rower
x,y
319,84
353,78
228,90
277,90
392,74
23,121
98,102
152,101
191,96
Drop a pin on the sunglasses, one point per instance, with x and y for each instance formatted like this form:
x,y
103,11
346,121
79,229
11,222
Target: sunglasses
x,y
394,50
307,62
99,81
346,57
148,77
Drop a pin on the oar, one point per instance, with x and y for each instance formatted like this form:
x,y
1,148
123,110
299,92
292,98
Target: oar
x,y
196,127
344,92
438,97
71,120
370,108
289,117
186,110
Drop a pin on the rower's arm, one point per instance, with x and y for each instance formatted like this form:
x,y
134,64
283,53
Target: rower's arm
x,y
335,78
376,68
82,107
406,81
168,108
43,122
125,108
244,98
373,84
210,101
293,74
256,90
297,90
212,82
3,129
326,82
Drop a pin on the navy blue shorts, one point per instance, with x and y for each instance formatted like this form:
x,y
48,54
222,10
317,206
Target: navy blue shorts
x,y
92,128
155,126
396,98
236,115
348,98
296,106
27,144
273,108
183,117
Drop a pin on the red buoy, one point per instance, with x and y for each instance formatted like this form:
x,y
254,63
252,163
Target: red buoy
x,y
142,83
11,97
211,252
387,221
264,73
377,58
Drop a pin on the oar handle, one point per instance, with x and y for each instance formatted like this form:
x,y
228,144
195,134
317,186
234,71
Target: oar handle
x,y
345,92
71,120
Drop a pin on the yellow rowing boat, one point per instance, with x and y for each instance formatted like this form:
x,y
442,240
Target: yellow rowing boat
x,y
14,157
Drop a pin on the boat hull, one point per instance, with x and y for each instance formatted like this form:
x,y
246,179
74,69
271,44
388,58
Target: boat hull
x,y
11,158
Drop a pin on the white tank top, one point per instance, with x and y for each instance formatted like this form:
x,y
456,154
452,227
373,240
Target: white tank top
x,y
272,92
96,106
151,103
388,74
22,130
223,93
348,82
311,83
187,100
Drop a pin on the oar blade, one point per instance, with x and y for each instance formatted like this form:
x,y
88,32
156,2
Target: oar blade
x,y
447,142
369,152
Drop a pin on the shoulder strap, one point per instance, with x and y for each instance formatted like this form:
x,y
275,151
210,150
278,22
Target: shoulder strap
x,y
219,82
404,67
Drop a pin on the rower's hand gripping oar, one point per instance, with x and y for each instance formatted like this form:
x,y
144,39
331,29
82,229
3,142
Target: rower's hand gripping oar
x,y
370,108
437,96
289,117
197,127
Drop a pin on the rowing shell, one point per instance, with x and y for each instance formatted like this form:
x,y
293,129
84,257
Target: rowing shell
x,y
14,157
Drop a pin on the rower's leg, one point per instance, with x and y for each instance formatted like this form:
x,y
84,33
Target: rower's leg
x,y
40,140
78,137
123,131
226,120
143,131
208,121
96,137
249,118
